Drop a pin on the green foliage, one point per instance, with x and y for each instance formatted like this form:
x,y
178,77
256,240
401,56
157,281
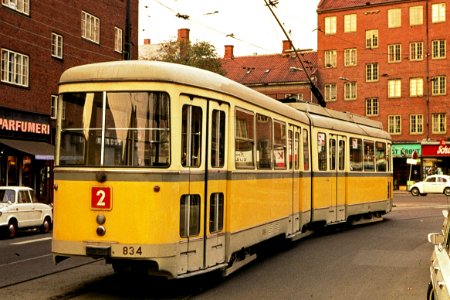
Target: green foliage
x,y
201,55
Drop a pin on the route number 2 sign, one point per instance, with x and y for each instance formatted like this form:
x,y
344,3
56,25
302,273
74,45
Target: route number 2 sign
x,y
101,198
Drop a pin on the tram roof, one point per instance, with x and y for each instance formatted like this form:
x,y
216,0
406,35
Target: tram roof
x,y
140,70
343,121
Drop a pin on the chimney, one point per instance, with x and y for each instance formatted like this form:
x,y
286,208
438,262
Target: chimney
x,y
229,51
183,35
147,42
287,46
183,40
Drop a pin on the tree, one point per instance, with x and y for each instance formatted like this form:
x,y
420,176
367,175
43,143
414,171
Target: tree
x,y
201,55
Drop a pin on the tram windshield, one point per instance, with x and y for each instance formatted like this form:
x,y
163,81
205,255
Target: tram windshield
x,y
115,129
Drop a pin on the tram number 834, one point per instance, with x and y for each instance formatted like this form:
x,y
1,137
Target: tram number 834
x,y
131,251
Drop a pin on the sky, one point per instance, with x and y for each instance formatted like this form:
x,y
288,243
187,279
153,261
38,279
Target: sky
x,y
248,25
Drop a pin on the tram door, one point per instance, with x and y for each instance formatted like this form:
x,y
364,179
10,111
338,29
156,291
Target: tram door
x,y
294,166
201,202
338,179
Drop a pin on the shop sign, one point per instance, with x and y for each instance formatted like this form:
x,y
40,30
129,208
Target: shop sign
x,y
406,150
436,150
22,125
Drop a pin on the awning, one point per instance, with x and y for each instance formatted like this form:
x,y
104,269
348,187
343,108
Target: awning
x,y
40,150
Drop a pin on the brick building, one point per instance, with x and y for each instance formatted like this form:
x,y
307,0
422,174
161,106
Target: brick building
x,y
38,41
388,60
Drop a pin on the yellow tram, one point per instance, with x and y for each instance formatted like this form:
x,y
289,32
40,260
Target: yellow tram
x,y
179,171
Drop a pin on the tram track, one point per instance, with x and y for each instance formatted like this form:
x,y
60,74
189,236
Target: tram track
x,y
42,275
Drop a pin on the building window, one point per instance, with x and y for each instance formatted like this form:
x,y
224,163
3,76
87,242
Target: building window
x,y
118,38
438,49
395,124
350,91
394,18
416,124
439,84
15,68
395,53
416,51
394,88
438,123
372,38
350,23
57,45
350,57
330,25
371,107
54,108
372,72
415,15
438,12
416,87
330,92
90,27
330,58
22,6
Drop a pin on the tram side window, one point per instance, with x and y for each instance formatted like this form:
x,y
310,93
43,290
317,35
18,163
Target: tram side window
x,y
356,154
322,151
191,136
279,144
216,212
341,155
218,139
189,215
333,154
381,156
369,156
245,139
263,142
137,129
305,150
291,155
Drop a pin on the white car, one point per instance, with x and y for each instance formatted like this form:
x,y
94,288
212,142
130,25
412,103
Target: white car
x,y
20,209
437,184
439,288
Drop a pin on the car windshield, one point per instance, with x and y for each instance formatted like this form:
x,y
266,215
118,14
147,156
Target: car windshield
x,y
6,195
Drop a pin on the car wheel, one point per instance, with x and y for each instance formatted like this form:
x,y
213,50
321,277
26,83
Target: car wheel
x,y
45,227
415,191
430,292
447,191
12,229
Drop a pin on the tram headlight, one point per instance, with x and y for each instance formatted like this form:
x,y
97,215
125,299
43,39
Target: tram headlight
x,y
101,231
101,219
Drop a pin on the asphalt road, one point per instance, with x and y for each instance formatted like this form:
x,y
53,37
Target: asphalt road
x,y
384,260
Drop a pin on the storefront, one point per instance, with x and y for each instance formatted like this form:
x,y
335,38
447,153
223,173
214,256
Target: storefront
x,y
26,156
436,157
404,170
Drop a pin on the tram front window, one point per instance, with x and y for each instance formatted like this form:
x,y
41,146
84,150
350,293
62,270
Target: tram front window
x,y
115,129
